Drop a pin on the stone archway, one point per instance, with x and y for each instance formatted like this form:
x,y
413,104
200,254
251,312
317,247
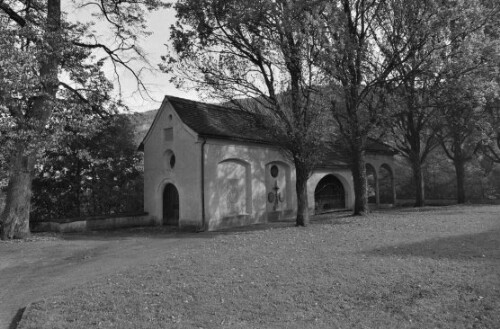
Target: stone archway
x,y
170,205
329,194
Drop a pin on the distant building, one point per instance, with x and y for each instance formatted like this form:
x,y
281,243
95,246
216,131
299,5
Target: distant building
x,y
208,165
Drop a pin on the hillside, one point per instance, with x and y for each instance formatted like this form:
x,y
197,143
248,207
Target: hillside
x,y
142,122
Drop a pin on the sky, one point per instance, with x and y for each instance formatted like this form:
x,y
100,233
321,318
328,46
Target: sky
x,y
157,82
154,46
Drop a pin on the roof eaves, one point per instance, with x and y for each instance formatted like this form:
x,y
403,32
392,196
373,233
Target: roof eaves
x,y
238,139
331,167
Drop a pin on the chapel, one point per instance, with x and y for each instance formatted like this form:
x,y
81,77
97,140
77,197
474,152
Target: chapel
x,y
209,167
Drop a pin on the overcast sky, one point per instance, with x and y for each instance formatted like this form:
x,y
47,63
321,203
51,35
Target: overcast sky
x,y
157,83
154,46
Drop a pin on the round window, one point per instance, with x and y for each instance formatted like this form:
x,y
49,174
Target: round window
x,y
274,171
172,161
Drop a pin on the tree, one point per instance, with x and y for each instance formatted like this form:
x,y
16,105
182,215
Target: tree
x,y
415,120
464,115
460,137
263,52
366,43
50,67
91,172
378,50
489,147
415,128
468,82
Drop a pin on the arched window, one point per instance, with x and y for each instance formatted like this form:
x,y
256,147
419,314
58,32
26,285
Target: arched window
x,y
234,187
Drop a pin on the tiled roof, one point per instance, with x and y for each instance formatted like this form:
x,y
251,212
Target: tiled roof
x,y
222,122
209,120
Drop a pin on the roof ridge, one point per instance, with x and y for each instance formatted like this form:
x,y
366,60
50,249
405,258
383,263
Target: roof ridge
x,y
218,106
214,106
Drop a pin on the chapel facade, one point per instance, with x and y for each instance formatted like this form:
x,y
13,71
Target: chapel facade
x,y
208,167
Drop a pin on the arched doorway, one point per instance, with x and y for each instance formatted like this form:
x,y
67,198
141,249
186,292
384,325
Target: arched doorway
x,y
170,205
329,194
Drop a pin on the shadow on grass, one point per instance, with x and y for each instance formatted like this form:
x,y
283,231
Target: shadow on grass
x,y
442,208
485,245
15,320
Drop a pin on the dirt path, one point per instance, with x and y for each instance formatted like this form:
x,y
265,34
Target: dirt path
x,y
32,270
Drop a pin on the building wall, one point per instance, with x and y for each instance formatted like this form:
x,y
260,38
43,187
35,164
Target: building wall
x,y
238,182
378,160
185,175
345,177
240,188
385,177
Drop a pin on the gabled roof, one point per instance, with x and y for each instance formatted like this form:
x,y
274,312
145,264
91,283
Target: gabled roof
x,y
223,122
215,121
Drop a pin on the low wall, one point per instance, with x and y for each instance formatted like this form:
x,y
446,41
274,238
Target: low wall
x,y
91,224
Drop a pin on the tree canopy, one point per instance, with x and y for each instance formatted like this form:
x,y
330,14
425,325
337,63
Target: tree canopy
x,y
52,70
261,56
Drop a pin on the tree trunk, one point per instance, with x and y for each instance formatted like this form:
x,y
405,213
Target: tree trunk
x,y
15,217
418,177
358,168
301,174
78,185
460,172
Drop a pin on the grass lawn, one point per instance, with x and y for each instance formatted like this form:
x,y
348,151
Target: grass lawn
x,y
429,268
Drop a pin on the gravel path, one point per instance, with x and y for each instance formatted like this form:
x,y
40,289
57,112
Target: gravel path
x,y
33,270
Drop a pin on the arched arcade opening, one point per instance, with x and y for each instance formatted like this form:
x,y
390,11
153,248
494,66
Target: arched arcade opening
x,y
329,195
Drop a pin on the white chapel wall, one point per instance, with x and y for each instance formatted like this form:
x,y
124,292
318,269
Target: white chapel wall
x,y
345,177
235,179
238,179
185,175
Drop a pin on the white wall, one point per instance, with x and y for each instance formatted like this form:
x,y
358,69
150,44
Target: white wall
x,y
237,177
345,177
257,159
377,160
186,174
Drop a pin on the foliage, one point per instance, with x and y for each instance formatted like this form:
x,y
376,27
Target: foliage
x,y
52,73
469,81
456,53
261,56
489,148
89,174
366,45
482,179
